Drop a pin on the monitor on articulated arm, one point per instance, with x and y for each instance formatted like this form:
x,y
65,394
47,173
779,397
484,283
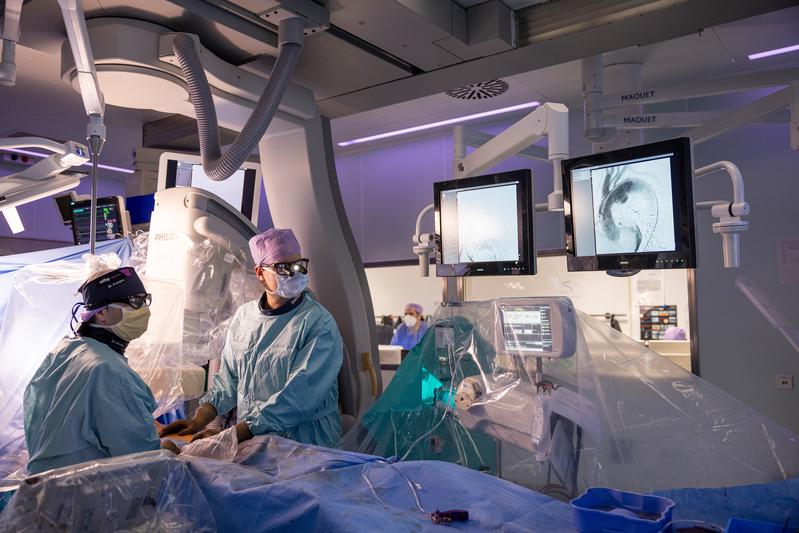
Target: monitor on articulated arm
x,y
484,225
630,209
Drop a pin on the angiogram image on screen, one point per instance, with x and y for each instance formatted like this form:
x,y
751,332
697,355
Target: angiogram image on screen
x,y
488,225
633,209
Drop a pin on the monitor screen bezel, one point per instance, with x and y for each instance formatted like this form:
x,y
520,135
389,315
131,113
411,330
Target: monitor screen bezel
x,y
251,195
526,265
682,201
118,201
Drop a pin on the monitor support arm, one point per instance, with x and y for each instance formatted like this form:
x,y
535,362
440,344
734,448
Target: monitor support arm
x,y
423,243
729,225
548,120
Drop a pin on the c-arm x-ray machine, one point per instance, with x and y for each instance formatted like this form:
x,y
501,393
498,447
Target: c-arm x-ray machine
x,y
296,152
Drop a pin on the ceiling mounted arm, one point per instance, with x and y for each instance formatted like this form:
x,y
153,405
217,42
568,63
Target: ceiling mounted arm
x,y
75,23
10,36
548,120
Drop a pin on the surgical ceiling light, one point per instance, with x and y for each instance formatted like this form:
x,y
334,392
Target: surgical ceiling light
x,y
38,154
440,123
775,52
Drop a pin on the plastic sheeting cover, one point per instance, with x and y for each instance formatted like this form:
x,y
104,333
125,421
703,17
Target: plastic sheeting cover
x,y
37,292
281,485
274,484
151,491
222,446
37,315
216,280
613,414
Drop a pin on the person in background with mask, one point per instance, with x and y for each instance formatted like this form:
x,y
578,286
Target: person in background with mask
x,y
412,329
281,358
85,402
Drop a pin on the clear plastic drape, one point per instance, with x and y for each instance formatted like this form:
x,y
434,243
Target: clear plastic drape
x,y
187,327
612,413
152,491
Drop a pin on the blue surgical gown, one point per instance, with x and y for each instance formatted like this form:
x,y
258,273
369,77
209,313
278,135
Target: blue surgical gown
x,y
281,371
406,338
86,403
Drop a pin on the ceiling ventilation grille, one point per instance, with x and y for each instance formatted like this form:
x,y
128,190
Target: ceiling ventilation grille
x,y
480,91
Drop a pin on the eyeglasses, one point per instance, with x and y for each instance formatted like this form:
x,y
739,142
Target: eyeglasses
x,y
300,266
139,301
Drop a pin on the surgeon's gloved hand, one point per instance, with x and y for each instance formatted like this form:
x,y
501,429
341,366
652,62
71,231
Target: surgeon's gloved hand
x,y
182,427
204,434
243,432
167,444
202,417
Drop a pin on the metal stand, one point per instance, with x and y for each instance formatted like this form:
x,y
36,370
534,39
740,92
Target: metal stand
x,y
95,134
93,207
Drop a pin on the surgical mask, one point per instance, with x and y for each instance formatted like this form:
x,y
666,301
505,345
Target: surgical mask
x,y
290,286
133,324
410,321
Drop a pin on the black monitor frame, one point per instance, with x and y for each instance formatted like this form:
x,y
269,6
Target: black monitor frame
x,y
247,193
116,201
682,200
526,265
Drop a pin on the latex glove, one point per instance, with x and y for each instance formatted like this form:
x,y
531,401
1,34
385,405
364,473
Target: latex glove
x,y
205,434
167,444
188,426
243,432
205,413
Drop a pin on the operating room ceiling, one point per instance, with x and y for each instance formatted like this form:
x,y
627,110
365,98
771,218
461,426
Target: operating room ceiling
x,y
384,59
715,52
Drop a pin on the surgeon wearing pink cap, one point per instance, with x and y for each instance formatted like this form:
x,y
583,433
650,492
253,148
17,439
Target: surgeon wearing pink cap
x,y
281,358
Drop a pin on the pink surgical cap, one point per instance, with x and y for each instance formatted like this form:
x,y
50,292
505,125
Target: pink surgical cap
x,y
674,333
273,245
415,307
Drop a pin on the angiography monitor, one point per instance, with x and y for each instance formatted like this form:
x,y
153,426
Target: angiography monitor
x,y
242,190
484,225
630,209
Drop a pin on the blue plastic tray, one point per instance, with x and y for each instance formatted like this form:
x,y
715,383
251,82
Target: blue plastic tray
x,y
603,510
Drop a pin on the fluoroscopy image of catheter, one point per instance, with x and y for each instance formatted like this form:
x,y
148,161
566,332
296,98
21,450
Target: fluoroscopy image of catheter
x,y
628,212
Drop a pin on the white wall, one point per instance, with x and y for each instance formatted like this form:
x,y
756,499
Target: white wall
x,y
738,349
591,292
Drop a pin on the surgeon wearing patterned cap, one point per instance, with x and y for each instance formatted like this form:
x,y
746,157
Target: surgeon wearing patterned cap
x,y
85,402
281,358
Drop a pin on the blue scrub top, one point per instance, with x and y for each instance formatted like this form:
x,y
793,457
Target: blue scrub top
x,y
86,403
407,339
281,370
